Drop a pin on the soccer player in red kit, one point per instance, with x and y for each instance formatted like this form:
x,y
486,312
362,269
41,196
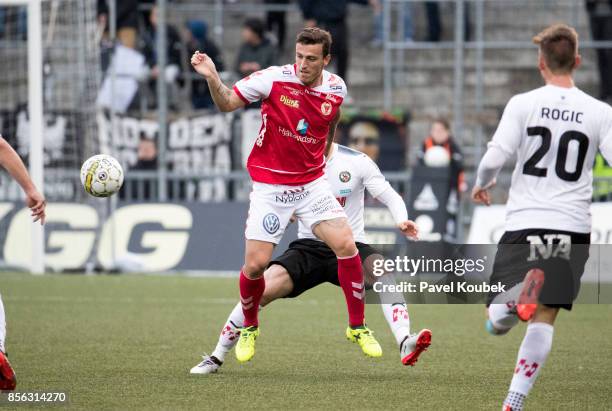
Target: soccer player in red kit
x,y
300,111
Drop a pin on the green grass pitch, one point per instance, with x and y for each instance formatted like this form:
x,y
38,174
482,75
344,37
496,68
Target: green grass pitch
x,y
128,342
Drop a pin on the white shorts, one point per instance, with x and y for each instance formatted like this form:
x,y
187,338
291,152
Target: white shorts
x,y
272,205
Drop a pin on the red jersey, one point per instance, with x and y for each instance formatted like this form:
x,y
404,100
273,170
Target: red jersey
x,y
295,124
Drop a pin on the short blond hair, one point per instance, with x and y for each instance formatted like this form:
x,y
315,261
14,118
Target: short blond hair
x,y
559,47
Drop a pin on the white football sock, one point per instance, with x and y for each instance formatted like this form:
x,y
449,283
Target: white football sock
x,y
502,316
2,326
531,357
515,400
394,308
398,320
229,333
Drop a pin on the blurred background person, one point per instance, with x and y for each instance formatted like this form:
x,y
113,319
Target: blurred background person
x,y
440,137
256,51
434,22
276,22
602,182
174,60
147,161
127,20
377,6
196,35
17,16
600,19
331,16
147,154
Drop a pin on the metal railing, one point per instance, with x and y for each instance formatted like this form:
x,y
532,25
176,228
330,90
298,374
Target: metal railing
x,y
486,37
468,53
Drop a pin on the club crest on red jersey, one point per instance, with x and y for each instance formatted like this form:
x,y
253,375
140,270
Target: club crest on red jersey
x,y
326,108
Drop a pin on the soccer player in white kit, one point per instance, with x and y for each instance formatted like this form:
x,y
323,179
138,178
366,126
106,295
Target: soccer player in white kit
x,y
12,163
555,132
300,110
308,262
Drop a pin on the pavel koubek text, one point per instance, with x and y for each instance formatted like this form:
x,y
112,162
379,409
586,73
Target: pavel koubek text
x,y
413,266
423,286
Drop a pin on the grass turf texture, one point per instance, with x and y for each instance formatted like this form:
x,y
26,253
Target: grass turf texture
x,y
128,342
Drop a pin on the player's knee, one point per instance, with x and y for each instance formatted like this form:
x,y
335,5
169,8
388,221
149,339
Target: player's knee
x,y
344,244
278,283
254,268
545,314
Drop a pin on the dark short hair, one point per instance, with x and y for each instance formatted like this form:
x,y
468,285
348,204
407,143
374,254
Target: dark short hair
x,y
442,120
559,47
256,26
315,35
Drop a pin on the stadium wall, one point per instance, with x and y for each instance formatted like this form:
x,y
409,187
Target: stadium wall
x,y
152,237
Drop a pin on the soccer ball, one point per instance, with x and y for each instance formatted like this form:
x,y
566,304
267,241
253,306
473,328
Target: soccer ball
x,y
101,175
436,157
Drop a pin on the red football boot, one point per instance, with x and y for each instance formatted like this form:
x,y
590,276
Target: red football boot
x,y
528,300
7,375
413,346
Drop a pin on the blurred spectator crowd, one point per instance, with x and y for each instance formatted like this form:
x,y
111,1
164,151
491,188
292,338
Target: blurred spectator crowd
x,y
263,42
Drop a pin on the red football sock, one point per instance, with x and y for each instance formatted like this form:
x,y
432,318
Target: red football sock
x,y
350,276
250,295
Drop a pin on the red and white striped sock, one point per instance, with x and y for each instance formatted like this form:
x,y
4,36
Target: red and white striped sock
x,y
250,296
350,276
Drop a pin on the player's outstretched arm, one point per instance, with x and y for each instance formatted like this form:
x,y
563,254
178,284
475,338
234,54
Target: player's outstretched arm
x,y
11,161
490,165
505,141
397,207
225,98
378,186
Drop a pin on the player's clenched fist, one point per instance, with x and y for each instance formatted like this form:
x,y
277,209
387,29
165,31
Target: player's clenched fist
x,y
409,229
203,64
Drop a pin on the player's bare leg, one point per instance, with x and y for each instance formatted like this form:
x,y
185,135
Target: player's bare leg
x,y
501,318
518,303
337,234
531,356
278,285
252,285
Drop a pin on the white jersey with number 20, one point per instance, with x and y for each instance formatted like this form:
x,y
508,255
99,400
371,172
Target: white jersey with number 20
x,y
555,133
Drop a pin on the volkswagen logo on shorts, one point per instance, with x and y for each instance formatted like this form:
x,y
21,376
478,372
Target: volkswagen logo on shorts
x,y
271,223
